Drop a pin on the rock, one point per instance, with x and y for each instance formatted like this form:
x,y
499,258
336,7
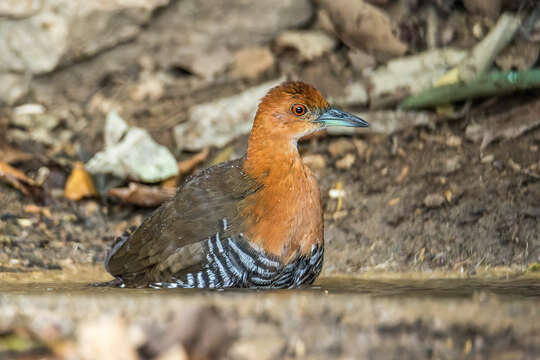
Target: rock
x,y
199,331
340,147
176,352
433,201
14,87
354,94
309,44
253,62
521,56
490,8
314,161
66,30
201,30
19,8
361,147
41,35
131,152
346,162
360,60
363,26
487,159
38,125
453,141
263,336
106,339
452,165
220,121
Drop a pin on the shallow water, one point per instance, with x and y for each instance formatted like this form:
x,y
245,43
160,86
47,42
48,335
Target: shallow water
x,y
78,280
379,315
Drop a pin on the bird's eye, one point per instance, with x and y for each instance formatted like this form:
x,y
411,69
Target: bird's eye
x,y
299,109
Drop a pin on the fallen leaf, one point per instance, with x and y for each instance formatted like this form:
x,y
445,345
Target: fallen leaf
x,y
34,209
223,155
363,26
394,201
142,195
402,175
10,154
16,178
187,166
79,184
508,125
308,44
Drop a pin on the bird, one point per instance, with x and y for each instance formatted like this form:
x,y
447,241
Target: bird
x,y
253,222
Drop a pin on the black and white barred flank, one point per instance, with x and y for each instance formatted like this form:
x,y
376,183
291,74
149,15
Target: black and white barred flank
x,y
233,262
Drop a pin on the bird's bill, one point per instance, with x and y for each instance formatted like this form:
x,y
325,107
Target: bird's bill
x,y
335,117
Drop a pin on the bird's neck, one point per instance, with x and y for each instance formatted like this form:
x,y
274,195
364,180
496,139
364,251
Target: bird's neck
x,y
285,217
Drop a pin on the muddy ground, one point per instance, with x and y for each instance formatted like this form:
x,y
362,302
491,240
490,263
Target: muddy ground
x,y
424,200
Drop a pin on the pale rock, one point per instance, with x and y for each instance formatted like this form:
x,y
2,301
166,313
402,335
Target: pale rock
x,y
252,62
353,94
250,346
66,30
132,153
218,122
346,162
19,8
14,86
340,147
453,141
314,161
203,32
106,339
38,36
433,201
309,44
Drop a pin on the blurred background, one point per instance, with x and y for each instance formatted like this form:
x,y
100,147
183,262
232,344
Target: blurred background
x,y
107,106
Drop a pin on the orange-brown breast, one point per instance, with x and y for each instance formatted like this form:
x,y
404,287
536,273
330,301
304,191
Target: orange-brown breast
x,y
285,216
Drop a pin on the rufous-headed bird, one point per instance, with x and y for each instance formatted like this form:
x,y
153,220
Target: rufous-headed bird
x,y
254,222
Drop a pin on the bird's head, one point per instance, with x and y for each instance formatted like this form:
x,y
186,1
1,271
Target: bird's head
x,y
295,109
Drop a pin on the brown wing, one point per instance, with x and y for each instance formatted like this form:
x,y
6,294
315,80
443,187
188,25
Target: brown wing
x,y
169,241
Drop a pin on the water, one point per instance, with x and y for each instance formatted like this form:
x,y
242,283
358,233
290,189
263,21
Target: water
x,y
383,315
77,280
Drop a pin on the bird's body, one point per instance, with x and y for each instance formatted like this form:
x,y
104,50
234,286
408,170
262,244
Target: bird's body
x,y
253,222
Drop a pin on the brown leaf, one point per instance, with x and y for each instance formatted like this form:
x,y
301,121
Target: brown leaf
x,y
142,195
79,184
10,154
16,178
34,209
187,166
363,26
508,125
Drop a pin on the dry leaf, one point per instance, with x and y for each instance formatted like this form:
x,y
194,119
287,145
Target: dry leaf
x,y
16,178
142,195
363,26
508,125
34,209
187,166
10,154
79,184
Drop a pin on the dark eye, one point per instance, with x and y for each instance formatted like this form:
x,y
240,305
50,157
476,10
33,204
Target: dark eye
x,y
299,109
